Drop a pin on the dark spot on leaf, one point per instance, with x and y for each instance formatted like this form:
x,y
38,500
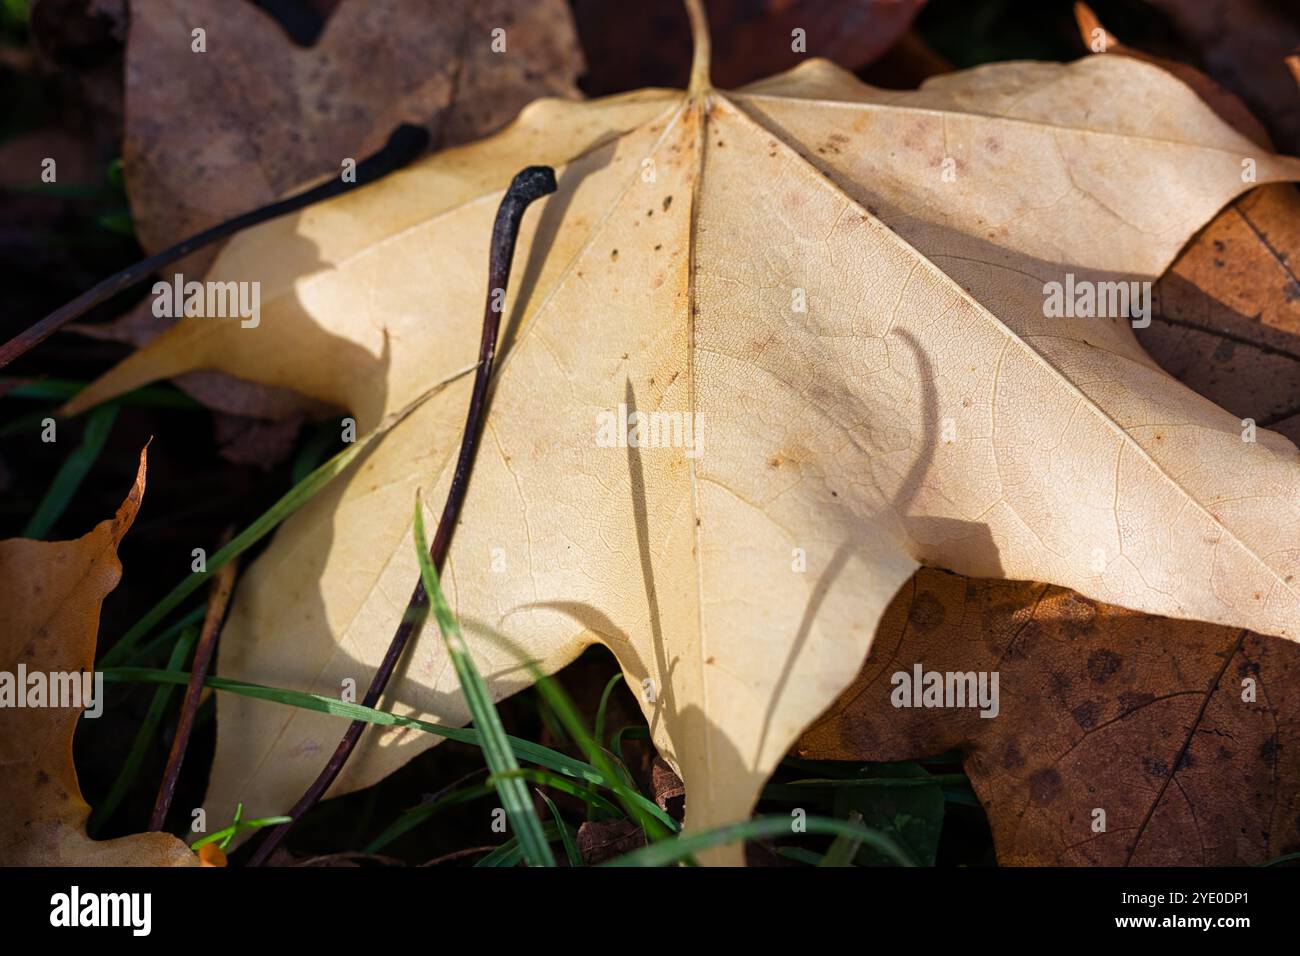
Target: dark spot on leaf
x,y
1044,786
1270,750
926,613
1102,664
1012,759
1155,767
1086,714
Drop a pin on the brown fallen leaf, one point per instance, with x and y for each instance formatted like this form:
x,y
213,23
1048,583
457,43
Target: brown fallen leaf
x,y
668,789
846,286
603,840
1100,709
211,135
1227,313
51,594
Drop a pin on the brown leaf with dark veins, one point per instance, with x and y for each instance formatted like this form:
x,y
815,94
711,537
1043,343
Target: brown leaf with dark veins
x,y
1226,316
1100,708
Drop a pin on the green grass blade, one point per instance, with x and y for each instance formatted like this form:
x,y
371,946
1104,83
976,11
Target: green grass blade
x,y
413,817
844,847
599,733
224,835
566,785
595,754
524,749
631,732
167,636
566,837
496,747
143,737
72,472
295,498
560,702
510,853
680,848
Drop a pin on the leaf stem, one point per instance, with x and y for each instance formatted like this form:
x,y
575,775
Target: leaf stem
x,y
530,184
700,80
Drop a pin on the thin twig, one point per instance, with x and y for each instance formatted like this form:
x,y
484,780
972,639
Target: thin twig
x,y
531,184
223,582
405,143
455,855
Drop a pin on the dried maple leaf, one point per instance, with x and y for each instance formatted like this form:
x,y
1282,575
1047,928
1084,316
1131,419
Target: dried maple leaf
x,y
1100,708
51,593
845,286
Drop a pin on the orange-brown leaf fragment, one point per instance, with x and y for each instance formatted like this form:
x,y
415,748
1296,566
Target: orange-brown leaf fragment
x,y
211,855
51,594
